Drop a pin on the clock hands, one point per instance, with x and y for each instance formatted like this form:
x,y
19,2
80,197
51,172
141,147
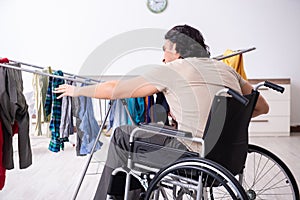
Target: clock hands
x,y
157,6
158,1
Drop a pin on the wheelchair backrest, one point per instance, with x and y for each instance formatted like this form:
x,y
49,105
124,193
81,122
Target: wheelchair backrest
x,y
226,131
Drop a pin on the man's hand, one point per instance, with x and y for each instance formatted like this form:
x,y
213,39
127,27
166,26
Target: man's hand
x,y
65,90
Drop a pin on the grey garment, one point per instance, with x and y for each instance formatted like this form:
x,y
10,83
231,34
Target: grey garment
x,y
5,105
118,154
13,108
76,106
66,127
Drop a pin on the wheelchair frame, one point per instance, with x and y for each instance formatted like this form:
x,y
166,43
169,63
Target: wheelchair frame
x,y
209,165
251,193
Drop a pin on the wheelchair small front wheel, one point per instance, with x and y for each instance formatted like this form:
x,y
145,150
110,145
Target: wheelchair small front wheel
x,y
197,179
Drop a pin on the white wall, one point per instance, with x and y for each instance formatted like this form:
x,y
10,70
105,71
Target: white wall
x,y
62,33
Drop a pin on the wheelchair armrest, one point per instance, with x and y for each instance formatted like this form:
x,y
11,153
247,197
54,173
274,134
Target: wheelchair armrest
x,y
166,130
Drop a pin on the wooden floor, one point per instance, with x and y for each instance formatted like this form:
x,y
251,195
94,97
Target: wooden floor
x,y
56,175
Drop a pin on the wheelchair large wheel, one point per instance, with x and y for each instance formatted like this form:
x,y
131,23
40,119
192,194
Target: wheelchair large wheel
x,y
194,178
266,177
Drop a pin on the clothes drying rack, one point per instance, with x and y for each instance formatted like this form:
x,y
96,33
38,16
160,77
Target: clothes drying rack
x,y
87,80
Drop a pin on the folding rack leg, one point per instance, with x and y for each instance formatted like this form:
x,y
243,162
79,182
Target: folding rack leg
x,y
92,152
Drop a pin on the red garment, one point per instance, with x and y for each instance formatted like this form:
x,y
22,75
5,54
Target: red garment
x,y
15,129
4,60
2,169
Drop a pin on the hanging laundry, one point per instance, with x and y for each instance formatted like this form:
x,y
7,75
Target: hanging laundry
x,y
149,102
40,85
15,129
118,116
136,108
2,168
236,62
86,125
14,109
4,60
53,107
161,109
112,106
66,123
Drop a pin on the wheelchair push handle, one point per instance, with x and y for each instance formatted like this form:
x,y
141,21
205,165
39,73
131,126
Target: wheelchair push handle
x,y
271,85
235,95
238,97
274,86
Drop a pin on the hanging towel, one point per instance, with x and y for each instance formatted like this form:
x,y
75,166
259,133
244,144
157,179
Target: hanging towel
x,y
14,109
53,107
40,85
236,62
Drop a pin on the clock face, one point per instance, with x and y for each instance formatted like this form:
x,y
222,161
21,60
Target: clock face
x,y
157,6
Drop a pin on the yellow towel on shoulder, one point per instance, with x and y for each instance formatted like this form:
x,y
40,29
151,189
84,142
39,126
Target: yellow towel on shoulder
x,y
236,62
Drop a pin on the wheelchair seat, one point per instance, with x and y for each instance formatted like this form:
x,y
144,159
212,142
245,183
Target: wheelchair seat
x,y
158,156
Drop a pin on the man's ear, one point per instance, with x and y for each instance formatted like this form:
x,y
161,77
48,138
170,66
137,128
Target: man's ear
x,y
178,55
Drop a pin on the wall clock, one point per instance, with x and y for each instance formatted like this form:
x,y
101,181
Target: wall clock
x,y
157,6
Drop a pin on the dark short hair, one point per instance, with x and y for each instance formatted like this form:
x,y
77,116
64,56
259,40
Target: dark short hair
x,y
189,41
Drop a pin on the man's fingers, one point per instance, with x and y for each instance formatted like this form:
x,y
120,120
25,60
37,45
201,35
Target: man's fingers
x,y
61,88
58,91
65,90
60,96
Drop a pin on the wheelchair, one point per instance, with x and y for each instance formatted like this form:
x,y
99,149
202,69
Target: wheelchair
x,y
227,167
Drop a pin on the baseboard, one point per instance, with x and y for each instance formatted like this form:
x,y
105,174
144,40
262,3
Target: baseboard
x,y
295,129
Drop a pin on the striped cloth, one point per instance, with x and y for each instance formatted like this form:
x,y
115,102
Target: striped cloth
x,y
53,107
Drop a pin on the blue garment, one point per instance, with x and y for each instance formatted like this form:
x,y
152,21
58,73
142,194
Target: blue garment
x,y
112,104
136,107
118,115
88,126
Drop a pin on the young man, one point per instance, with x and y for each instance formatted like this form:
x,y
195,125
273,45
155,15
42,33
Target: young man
x,y
189,80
